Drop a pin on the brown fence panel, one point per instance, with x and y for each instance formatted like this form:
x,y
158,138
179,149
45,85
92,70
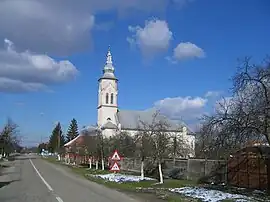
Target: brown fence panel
x,y
247,171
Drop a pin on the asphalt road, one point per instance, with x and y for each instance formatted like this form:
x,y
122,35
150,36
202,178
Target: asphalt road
x,y
35,180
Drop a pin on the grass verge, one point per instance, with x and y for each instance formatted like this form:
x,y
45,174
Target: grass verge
x,y
159,191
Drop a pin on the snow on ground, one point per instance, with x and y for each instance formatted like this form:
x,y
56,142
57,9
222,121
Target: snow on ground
x,y
209,195
122,178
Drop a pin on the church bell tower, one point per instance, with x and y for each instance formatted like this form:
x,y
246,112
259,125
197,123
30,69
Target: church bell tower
x,y
107,93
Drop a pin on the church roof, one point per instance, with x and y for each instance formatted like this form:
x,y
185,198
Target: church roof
x,y
129,120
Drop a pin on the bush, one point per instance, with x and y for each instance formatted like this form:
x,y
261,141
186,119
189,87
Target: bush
x,y
176,173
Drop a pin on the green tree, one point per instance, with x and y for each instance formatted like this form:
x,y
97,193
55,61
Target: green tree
x,y
57,139
72,130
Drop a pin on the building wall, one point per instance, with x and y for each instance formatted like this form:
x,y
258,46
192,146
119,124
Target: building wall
x,y
107,110
189,140
104,113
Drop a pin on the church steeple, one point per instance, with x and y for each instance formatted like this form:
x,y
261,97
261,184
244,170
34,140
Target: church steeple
x,y
107,93
108,68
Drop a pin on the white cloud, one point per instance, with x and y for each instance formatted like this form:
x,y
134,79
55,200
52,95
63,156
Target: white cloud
x,y
62,27
187,50
26,71
184,51
190,109
185,108
153,38
56,27
212,94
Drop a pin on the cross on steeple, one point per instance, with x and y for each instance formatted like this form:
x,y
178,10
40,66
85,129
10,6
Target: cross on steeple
x,y
109,56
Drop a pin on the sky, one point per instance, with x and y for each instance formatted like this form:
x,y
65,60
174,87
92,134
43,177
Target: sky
x,y
174,55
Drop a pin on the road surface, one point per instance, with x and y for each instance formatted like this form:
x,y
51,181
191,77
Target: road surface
x,y
35,180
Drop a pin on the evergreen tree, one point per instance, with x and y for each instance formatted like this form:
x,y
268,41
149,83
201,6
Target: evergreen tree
x,y
72,130
57,139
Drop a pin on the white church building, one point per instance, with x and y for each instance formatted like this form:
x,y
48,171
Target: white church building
x,y
111,120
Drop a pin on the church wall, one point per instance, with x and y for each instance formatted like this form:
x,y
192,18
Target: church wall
x,y
189,139
106,112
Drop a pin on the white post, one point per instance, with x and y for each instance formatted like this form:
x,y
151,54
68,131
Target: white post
x,y
90,163
160,173
102,164
96,165
142,170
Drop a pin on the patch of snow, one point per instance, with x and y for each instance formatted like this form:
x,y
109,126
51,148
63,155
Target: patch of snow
x,y
122,178
258,192
209,195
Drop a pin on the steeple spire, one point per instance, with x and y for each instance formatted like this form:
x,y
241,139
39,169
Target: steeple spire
x,y
109,56
108,68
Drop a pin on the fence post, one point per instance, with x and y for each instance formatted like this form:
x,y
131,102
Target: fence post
x,y
247,170
188,162
205,164
238,170
268,174
226,170
259,167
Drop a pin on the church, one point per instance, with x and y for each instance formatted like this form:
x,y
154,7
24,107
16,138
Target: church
x,y
112,120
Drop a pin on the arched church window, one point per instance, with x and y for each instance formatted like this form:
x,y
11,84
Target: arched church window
x,y
107,98
111,98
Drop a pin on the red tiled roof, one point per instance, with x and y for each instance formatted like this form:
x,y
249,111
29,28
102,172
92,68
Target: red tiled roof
x,y
81,140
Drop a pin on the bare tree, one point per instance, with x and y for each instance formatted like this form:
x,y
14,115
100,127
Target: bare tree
x,y
157,131
251,85
100,139
144,145
9,137
245,116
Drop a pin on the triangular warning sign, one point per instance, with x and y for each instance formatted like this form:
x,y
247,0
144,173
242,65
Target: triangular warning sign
x,y
115,156
115,167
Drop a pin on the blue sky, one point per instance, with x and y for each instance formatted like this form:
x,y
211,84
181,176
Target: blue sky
x,y
36,90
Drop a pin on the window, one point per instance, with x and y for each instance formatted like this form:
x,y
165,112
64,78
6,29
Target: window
x,y
109,119
107,98
112,98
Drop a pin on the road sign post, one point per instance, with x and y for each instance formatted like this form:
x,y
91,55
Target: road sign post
x,y
115,158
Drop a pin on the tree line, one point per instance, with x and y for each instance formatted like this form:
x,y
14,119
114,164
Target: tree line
x,y
151,144
58,138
